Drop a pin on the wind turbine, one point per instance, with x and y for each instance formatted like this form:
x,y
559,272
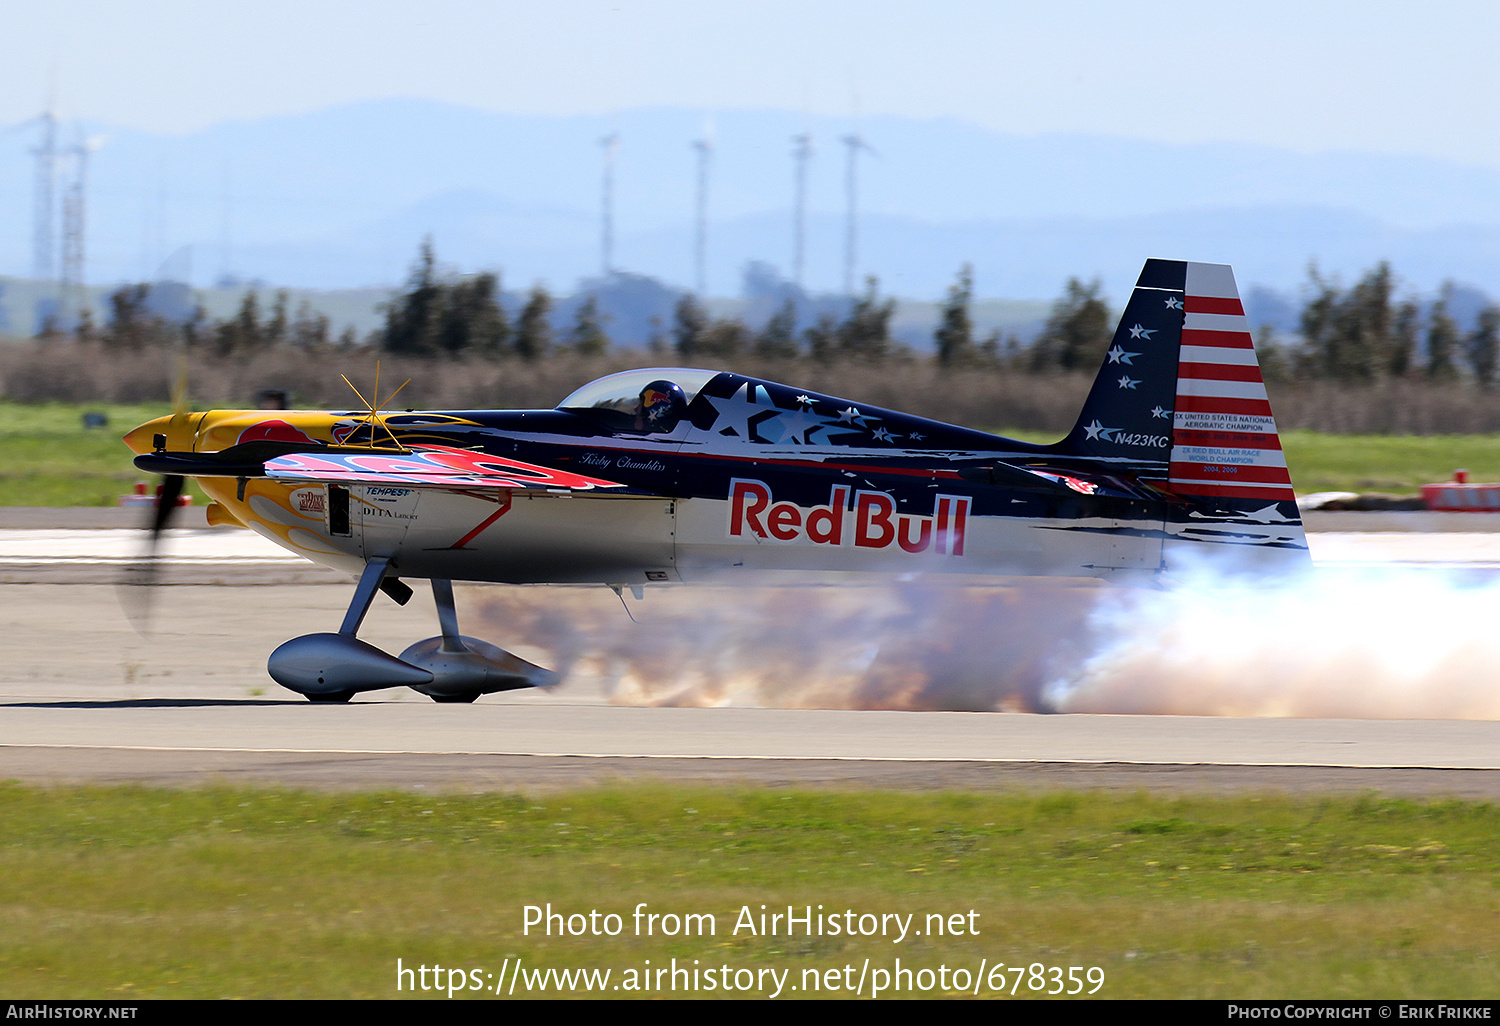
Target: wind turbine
x,y
705,148
802,151
611,143
855,142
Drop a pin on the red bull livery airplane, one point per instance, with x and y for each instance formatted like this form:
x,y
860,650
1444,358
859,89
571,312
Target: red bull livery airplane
x,y
670,475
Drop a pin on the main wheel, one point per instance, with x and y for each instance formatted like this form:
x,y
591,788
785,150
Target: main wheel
x,y
467,696
331,696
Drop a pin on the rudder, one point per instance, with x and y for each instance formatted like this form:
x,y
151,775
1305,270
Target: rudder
x,y
1227,459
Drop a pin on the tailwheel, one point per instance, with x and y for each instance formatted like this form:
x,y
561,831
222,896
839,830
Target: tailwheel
x,y
331,697
466,696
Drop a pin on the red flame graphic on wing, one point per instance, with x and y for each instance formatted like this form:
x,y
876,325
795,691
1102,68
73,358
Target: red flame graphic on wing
x,y
429,465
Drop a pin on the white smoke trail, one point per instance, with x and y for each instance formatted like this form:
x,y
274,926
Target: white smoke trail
x,y
912,645
1387,643
1368,644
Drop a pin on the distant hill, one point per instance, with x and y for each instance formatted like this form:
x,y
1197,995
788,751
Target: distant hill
x,y
340,198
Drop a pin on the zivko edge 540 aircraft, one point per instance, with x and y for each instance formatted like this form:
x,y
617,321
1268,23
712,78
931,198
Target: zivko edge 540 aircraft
x,y
681,476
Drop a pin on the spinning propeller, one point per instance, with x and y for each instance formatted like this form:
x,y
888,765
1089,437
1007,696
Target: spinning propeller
x,y
135,587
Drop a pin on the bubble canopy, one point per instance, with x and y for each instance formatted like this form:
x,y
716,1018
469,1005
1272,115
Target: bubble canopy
x,y
621,393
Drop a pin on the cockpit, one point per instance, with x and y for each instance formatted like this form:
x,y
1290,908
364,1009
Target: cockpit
x,y
652,400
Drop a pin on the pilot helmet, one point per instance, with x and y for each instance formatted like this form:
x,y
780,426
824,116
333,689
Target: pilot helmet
x,y
662,405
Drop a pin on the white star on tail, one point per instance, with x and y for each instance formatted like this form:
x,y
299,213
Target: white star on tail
x,y
1140,332
1159,412
1118,355
1127,382
1173,303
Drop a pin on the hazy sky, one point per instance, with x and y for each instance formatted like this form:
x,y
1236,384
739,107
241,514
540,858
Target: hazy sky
x,y
1391,77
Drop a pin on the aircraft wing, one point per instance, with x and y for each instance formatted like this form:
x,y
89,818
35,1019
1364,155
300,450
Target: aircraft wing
x,y
428,466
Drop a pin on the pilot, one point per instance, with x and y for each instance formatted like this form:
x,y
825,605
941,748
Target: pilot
x,y
662,405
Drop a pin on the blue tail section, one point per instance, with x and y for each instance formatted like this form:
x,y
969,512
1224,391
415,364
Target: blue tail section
x,y
1128,413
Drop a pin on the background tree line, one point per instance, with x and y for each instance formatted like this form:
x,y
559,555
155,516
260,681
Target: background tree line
x,y
464,315
133,326
1359,335
1364,334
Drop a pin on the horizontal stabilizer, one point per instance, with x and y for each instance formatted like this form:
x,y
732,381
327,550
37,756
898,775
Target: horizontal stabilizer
x,y
1039,479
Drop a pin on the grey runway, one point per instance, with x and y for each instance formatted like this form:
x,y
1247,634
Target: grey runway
x,y
82,697
529,774
556,727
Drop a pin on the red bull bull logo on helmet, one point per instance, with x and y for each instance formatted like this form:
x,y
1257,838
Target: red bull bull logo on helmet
x,y
872,523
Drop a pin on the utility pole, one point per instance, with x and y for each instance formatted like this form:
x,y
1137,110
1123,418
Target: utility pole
x,y
72,298
611,143
801,153
43,209
705,148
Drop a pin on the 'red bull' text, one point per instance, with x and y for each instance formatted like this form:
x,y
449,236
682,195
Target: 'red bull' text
x,y
873,522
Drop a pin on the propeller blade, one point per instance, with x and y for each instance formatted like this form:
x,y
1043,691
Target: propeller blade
x,y
137,584
180,388
136,589
166,506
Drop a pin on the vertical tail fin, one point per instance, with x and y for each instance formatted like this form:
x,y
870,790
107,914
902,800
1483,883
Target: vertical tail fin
x,y
1127,417
1181,403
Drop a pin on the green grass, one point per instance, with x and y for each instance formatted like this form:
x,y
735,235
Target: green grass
x,y
48,459
134,892
1386,463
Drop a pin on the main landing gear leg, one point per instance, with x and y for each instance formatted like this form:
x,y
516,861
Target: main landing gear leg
x,y
364,594
442,595
453,642
333,667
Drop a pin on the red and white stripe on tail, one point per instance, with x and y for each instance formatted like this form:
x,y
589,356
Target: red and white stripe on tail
x,y
1224,440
